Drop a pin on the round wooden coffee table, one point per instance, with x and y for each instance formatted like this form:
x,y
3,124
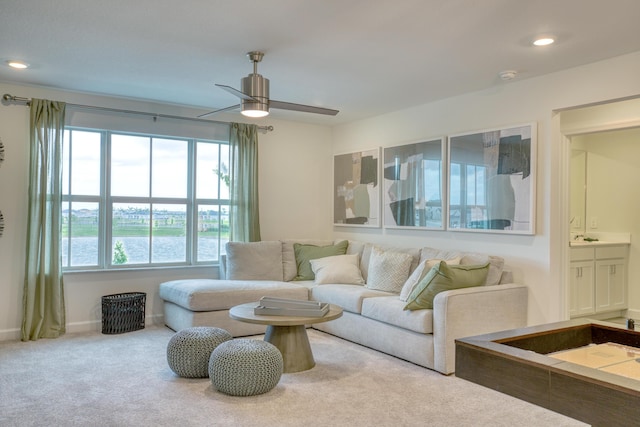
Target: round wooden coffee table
x,y
287,333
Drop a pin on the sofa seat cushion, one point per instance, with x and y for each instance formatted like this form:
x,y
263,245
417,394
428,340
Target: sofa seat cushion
x,y
389,309
349,297
212,295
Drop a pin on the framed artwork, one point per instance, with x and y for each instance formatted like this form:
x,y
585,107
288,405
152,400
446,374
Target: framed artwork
x,y
356,188
492,176
414,185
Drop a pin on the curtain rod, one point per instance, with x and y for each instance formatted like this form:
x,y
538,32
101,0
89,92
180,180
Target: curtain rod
x,y
16,99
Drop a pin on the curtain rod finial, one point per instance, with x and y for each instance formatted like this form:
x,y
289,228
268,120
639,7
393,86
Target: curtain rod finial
x,y
8,99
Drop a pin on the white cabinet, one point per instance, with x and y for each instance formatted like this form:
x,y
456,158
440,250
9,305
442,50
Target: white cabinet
x,y
598,279
582,288
582,283
611,284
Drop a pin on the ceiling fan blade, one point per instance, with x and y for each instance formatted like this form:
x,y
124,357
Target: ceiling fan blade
x,y
300,107
233,107
237,93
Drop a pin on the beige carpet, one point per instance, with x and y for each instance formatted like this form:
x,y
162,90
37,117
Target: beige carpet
x,y
124,380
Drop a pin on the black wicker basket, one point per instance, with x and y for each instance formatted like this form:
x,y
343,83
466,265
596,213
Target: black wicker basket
x,y
123,312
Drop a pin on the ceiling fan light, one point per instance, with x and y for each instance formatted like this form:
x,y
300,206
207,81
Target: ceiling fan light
x,y
255,113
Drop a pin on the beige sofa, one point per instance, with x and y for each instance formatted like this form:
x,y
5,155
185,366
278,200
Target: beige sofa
x,y
374,316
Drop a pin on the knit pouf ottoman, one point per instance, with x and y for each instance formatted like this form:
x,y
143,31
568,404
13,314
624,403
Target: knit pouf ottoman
x,y
189,350
245,367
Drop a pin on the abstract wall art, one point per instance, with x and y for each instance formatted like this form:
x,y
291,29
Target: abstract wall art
x,y
356,188
492,176
413,185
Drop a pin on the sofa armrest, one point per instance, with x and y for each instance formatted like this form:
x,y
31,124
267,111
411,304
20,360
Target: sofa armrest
x,y
473,311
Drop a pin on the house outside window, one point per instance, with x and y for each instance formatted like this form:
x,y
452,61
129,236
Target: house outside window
x,y
142,200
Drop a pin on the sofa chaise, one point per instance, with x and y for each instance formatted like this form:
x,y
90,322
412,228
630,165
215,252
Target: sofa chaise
x,y
407,302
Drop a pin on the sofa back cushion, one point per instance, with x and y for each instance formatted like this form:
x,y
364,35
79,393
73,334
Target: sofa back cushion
x,y
444,278
289,266
496,263
368,249
337,269
388,270
418,274
254,260
305,253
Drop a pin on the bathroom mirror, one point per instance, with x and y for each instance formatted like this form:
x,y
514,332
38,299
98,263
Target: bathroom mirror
x,y
578,191
492,180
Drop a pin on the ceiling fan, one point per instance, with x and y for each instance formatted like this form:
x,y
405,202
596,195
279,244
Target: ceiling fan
x,y
254,97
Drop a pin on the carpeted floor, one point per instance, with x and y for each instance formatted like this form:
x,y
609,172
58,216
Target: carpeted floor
x,y
124,380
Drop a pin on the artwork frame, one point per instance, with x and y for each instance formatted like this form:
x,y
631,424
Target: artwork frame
x,y
356,188
414,185
492,180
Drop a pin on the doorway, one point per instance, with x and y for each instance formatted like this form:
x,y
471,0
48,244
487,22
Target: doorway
x,y
588,125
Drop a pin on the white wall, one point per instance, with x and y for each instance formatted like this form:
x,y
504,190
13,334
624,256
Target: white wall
x,y
294,159
296,181
535,260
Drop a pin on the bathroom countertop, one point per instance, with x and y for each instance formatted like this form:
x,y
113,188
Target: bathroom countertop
x,y
604,239
583,244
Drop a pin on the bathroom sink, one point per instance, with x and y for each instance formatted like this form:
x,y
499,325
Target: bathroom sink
x,y
595,243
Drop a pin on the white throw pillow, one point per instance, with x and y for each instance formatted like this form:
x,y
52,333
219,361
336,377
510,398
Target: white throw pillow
x,y
418,274
337,269
388,270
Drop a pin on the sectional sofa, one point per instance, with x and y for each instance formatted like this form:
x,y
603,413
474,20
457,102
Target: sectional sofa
x,y
411,303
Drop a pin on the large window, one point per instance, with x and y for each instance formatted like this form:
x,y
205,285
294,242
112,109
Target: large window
x,y
132,200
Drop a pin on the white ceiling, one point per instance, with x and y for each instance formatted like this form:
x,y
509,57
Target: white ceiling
x,y
362,57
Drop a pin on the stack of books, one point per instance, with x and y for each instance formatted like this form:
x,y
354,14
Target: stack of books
x,y
271,306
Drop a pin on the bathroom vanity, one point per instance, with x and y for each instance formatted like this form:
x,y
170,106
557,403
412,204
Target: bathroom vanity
x,y
598,277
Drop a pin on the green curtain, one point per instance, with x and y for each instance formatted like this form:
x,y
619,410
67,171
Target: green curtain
x,y
43,298
244,218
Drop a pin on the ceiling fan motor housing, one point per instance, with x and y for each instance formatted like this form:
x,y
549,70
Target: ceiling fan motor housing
x,y
257,87
254,96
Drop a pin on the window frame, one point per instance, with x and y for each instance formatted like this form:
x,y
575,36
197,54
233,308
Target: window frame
x,y
463,207
106,202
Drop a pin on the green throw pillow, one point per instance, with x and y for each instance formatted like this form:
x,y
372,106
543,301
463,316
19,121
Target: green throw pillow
x,y
443,277
304,253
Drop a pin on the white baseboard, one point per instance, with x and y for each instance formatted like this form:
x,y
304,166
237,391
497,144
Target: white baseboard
x,y
81,327
96,325
633,314
10,335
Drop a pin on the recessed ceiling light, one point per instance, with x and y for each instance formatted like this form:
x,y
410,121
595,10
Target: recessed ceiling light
x,y
544,41
19,65
507,75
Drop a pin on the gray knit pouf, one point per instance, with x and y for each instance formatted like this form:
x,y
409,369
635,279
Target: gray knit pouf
x,y
189,350
245,367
